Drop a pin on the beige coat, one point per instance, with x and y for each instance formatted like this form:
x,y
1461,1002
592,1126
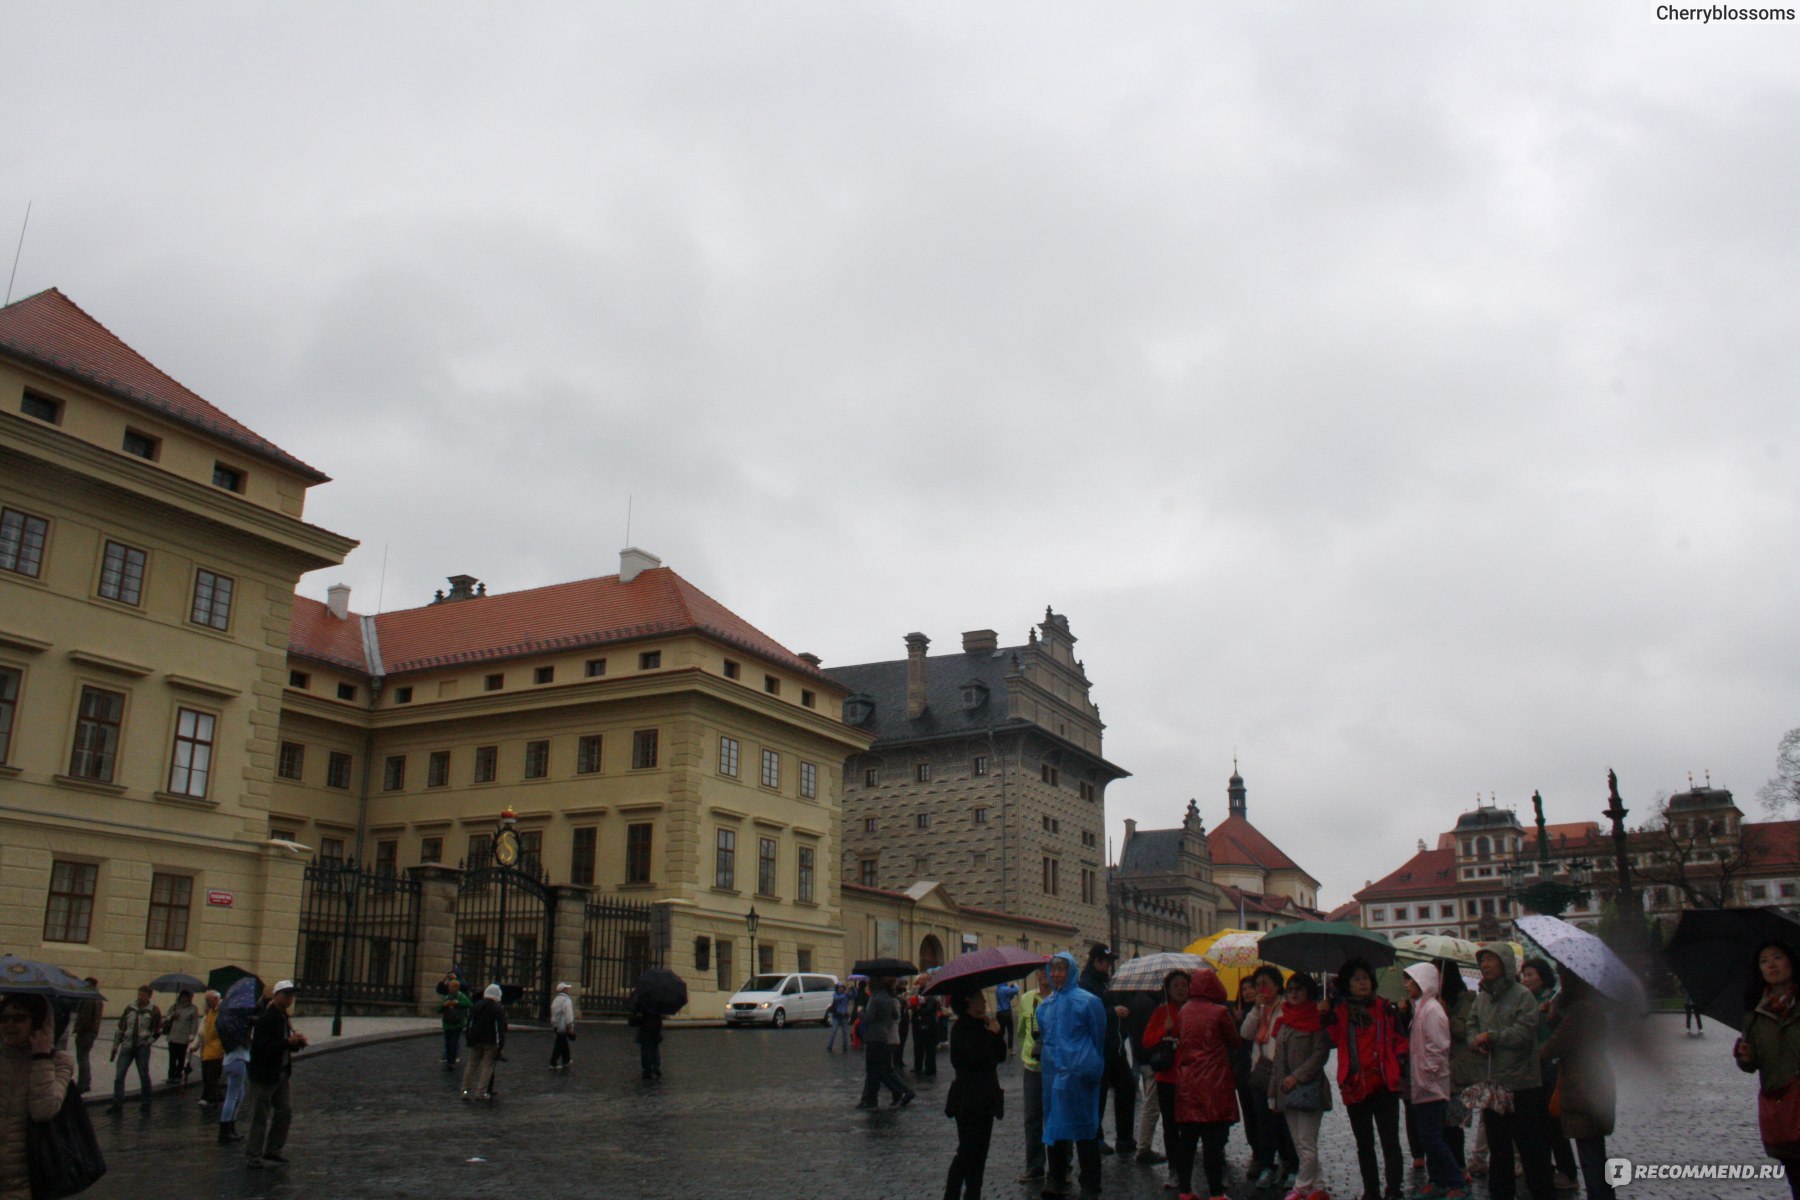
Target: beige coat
x,y
1301,1055
30,1090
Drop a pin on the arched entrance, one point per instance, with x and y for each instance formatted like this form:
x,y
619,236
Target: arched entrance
x,y
931,953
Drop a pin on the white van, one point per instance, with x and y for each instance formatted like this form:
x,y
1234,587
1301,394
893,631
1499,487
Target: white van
x,y
779,1000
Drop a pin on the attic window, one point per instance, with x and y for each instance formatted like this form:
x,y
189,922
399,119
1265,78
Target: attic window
x,y
141,444
403,695
229,478
807,699
974,695
299,679
732,669
346,691
42,407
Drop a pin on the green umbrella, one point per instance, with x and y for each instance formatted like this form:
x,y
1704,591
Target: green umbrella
x,y
220,979
1324,946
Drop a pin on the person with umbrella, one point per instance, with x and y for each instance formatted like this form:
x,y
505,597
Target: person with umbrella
x,y
649,1022
1366,1031
87,1031
881,1034
1771,1047
1096,977
138,1028
924,1018
1159,1042
34,1082
1584,1076
212,1052
977,1048
1072,1027
237,1018
1541,978
182,1024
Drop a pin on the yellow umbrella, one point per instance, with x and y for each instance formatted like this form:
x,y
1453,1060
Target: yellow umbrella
x,y
1232,953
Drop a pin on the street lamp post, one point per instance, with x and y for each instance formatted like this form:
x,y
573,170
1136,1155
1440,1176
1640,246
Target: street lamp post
x,y
1547,896
751,920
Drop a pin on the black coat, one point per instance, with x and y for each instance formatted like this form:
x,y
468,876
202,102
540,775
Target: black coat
x,y
487,1024
269,1053
975,1055
1093,981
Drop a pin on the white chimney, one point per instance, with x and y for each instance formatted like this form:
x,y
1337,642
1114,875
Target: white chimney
x,y
634,562
337,599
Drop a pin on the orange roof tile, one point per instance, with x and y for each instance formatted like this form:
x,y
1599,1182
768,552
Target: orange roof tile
x,y
1428,871
1350,910
1238,843
560,616
52,331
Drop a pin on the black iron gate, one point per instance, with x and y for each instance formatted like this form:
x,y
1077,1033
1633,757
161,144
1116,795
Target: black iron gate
x,y
506,929
619,940
359,935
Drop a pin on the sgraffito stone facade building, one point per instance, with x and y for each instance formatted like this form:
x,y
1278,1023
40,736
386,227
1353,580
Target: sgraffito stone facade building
x,y
985,774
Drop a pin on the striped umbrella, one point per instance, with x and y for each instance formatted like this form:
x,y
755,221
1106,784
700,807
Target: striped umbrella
x,y
1146,972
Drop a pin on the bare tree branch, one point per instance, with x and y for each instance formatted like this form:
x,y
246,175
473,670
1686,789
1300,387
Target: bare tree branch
x,y
1781,794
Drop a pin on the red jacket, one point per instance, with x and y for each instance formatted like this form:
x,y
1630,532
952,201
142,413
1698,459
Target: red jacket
x,y
1164,1022
1378,1048
1204,1089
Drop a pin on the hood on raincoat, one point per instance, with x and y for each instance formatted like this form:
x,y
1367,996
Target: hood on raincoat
x,y
1204,984
1074,979
1426,976
1507,975
492,992
1073,1024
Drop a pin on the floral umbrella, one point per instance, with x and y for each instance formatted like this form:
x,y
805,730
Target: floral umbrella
x,y
1424,947
1587,957
1232,953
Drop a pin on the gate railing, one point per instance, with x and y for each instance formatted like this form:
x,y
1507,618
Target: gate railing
x,y
359,935
617,943
506,929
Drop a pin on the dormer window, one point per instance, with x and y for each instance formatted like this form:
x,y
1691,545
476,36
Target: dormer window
x,y
974,695
858,709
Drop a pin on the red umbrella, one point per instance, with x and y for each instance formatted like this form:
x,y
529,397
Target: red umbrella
x,y
984,968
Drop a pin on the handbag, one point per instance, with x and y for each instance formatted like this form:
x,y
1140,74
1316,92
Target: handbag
x,y
1306,1096
1162,1056
1778,1119
62,1153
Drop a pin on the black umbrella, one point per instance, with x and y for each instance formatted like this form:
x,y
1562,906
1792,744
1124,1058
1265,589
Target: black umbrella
x,y
177,981
984,968
23,977
1711,953
220,979
883,966
661,991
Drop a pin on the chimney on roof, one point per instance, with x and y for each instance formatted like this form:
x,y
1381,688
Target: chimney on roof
x,y
980,641
337,599
634,562
462,587
1421,845
915,675
1130,828
811,659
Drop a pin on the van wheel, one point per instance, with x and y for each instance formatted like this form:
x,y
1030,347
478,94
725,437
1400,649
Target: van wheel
x,y
780,1021
827,1021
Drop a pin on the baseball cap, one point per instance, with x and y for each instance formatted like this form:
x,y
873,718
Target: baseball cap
x,y
286,985
1101,950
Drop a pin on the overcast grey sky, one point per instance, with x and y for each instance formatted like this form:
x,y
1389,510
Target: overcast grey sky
x,y
1400,395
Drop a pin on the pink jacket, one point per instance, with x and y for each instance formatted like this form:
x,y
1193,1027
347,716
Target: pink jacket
x,y
1430,1060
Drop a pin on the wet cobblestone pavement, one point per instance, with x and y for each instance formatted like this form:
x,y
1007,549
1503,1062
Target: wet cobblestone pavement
x,y
753,1115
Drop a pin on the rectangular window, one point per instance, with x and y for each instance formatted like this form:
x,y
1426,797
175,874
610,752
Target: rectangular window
x,y
299,679
122,573
70,912
212,600
1759,891
803,877
765,958
403,695
771,685
868,871
587,753
437,769
1446,911
807,699
393,773
871,776
871,824
1052,877
1088,792
141,445
1048,773
809,780
765,866
544,675
637,852
291,763
725,859
643,749
722,956
346,691
487,764
922,820
494,682
9,705
531,849
596,667
97,735
732,670
431,850
537,759
924,772
650,660
981,816
1089,885
331,849
728,756
582,853
771,769
337,770
22,538
702,954
980,765
387,857
229,478
42,408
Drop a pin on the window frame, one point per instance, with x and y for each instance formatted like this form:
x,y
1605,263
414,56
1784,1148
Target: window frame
x,y
290,761
650,660
768,865
393,773
730,750
725,858
124,588
437,769
644,747
809,780
78,904
537,759
335,760
587,763
805,873
640,840
106,754
228,478
12,686
151,450
31,399
176,913
486,768
771,768
431,849
584,854
29,538
207,592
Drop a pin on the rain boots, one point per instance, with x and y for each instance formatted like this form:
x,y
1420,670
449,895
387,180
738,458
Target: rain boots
x,y
228,1133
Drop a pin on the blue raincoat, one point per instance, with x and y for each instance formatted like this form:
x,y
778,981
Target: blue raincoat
x,y
1073,1023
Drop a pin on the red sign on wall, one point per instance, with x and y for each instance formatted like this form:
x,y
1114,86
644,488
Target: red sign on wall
x,y
219,899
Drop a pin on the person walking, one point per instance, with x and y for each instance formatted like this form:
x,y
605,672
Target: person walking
x,y
453,1011
181,1028
1771,1048
1366,1033
1072,1028
562,1023
649,1024
1160,1039
1205,1096
925,1031
1004,995
1691,1021
88,1017
1503,1029
1584,1074
1096,978
881,1019
136,1031
235,1065
34,1083
1031,1076
977,1048
273,1044
1299,1094
1540,977
1429,1073
1276,1156
487,1037
841,1003
212,1053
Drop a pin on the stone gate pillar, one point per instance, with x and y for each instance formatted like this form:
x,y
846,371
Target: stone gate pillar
x,y
436,950
571,923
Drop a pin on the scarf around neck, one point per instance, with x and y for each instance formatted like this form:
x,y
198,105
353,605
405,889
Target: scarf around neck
x,y
1301,1018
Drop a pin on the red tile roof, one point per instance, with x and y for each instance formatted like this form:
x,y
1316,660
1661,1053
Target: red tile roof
x,y
1238,843
561,616
52,331
1427,872
1271,903
1350,910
